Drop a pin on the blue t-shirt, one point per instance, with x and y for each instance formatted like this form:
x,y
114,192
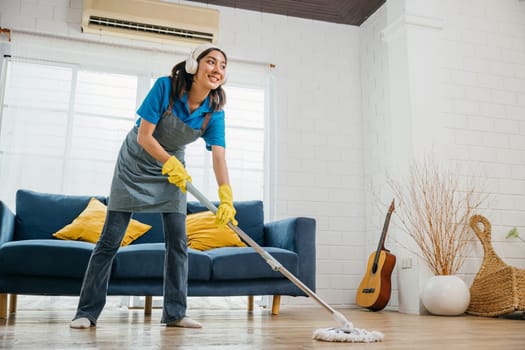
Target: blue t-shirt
x,y
157,102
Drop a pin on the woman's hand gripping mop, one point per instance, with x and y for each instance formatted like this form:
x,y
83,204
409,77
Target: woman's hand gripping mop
x,y
345,333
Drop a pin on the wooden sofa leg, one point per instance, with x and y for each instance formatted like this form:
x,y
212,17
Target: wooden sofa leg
x,y
276,304
3,305
148,304
250,303
12,303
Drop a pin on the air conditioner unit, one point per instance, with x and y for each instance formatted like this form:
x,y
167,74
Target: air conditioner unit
x,y
151,20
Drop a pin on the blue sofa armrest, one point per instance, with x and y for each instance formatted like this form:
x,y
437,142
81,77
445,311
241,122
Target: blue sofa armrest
x,y
298,235
7,224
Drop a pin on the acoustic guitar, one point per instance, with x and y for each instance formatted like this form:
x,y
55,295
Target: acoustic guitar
x,y
375,288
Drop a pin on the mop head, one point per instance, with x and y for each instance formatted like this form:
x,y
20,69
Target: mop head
x,y
347,332
355,335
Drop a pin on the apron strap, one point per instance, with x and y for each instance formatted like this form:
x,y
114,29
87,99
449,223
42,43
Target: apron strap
x,y
205,122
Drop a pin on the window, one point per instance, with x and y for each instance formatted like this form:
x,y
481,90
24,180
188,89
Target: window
x,y
61,127
244,147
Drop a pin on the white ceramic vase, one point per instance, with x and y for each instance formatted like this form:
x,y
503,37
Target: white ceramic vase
x,y
446,295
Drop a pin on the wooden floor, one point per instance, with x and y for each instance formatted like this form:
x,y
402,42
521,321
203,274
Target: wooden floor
x,y
234,328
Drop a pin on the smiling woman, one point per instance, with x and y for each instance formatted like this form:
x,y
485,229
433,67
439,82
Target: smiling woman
x,y
150,177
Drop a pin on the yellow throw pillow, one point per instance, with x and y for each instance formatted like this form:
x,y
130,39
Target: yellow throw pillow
x,y
88,225
203,233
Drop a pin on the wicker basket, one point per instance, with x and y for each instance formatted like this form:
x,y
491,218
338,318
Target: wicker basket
x,y
498,288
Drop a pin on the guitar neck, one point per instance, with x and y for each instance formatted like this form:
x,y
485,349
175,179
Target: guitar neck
x,y
381,244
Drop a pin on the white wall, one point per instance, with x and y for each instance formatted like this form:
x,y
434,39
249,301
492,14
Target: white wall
x,y
483,77
377,127
452,75
317,133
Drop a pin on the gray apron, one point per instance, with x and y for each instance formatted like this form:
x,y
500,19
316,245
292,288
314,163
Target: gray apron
x,y
138,184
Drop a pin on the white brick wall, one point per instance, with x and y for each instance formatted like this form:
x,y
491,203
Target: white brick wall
x,y
376,132
481,114
317,133
488,45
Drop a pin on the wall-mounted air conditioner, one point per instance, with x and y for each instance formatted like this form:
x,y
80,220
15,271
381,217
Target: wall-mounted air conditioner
x,y
151,20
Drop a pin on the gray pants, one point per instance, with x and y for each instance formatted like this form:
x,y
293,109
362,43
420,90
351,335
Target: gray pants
x,y
96,279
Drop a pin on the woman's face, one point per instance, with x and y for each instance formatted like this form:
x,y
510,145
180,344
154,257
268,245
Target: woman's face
x,y
211,71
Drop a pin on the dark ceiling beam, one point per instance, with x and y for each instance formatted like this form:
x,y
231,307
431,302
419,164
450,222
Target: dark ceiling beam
x,y
351,12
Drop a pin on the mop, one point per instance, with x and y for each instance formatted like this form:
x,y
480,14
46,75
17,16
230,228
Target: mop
x,y
345,333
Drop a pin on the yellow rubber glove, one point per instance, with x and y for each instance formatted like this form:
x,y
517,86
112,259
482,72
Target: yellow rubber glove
x,y
177,175
225,212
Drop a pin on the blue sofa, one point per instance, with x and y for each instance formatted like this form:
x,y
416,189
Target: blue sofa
x,y
33,262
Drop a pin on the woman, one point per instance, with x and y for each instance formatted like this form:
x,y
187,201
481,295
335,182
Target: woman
x,y
177,110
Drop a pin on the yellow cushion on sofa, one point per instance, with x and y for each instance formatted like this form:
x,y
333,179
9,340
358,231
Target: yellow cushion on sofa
x,y
204,233
88,225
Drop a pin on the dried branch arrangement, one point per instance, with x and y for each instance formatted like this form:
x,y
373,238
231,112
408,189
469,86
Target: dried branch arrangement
x,y
435,210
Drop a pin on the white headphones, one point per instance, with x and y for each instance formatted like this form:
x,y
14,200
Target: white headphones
x,y
191,62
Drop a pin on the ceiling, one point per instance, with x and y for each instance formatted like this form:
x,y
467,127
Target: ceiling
x,y
352,12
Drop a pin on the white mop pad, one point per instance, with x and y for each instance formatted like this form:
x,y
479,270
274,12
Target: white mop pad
x,y
355,335
347,332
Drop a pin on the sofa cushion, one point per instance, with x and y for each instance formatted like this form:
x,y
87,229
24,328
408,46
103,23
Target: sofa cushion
x,y
204,234
45,258
147,261
245,263
88,225
250,216
39,215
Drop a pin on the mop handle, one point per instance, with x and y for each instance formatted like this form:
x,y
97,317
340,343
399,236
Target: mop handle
x,y
275,265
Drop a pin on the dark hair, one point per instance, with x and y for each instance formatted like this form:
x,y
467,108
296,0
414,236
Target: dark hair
x,y
181,82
